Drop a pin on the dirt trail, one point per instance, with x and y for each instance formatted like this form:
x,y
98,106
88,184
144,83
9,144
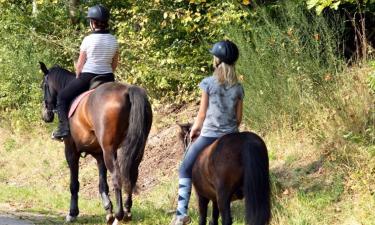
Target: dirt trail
x,y
164,150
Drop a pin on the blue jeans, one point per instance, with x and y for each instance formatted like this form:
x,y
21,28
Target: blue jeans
x,y
192,153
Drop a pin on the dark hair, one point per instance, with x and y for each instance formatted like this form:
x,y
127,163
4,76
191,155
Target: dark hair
x,y
102,25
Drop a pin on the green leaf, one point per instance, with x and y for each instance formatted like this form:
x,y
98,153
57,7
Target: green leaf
x,y
312,3
335,5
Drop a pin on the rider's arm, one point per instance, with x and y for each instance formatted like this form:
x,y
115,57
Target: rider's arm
x,y
115,60
81,61
198,123
239,111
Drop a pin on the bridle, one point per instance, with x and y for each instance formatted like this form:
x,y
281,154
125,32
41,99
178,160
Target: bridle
x,y
48,105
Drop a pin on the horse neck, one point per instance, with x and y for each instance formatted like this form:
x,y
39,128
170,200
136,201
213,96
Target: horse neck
x,y
59,78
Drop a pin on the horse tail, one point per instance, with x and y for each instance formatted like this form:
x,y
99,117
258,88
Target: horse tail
x,y
131,152
256,181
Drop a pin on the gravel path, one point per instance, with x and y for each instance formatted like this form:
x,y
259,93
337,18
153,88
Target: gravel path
x,y
10,220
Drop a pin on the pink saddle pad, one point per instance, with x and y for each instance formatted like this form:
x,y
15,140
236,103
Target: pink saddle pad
x,y
77,100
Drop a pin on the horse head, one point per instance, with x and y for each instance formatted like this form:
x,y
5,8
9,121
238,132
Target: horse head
x,y
184,134
49,96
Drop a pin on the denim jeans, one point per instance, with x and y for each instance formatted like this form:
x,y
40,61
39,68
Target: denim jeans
x,y
192,153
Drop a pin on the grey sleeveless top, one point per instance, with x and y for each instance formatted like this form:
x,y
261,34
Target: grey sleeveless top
x,y
221,113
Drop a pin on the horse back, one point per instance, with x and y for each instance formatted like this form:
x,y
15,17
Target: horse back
x,y
220,165
101,117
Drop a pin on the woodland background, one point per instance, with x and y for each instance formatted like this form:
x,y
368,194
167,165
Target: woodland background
x,y
307,67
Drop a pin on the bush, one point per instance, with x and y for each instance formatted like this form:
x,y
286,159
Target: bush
x,y
289,60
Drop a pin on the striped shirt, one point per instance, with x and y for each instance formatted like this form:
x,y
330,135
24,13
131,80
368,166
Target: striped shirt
x,y
100,50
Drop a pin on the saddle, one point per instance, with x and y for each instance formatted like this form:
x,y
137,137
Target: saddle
x,y
94,83
98,80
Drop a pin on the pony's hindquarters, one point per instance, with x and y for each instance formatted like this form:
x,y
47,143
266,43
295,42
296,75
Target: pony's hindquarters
x,y
131,152
256,180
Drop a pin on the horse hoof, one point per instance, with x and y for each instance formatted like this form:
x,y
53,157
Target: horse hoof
x,y
116,222
127,217
70,219
109,218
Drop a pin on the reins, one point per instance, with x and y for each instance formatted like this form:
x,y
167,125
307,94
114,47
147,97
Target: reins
x,y
47,94
187,142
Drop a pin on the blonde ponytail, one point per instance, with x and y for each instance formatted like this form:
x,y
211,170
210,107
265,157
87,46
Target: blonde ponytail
x,y
225,74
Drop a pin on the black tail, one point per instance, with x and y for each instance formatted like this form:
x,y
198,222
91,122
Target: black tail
x,y
256,181
43,67
131,153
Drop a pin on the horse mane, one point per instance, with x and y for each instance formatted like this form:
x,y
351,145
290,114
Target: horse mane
x,y
60,77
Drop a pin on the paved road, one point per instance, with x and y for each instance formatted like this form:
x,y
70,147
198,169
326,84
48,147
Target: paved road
x,y
10,220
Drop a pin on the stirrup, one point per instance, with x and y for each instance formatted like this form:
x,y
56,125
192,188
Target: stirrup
x,y
60,137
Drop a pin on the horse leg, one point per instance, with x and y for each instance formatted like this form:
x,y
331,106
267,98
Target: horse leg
x,y
215,214
112,166
103,188
223,201
129,193
203,203
72,157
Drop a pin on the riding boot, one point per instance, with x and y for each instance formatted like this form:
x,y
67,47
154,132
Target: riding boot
x,y
184,191
63,127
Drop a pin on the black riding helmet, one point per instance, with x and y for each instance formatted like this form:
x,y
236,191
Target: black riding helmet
x,y
99,13
226,51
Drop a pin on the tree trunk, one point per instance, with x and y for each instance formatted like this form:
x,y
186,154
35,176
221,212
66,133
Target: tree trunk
x,y
35,8
73,11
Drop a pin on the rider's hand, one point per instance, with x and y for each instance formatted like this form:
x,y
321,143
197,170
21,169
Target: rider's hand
x,y
194,133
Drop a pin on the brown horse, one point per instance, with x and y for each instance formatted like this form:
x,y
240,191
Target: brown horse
x,y
233,167
111,124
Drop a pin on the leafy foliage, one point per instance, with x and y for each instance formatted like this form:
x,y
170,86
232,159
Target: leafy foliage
x,y
166,42
320,5
287,52
288,62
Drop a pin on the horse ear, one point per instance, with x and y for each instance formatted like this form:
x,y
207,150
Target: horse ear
x,y
185,127
43,67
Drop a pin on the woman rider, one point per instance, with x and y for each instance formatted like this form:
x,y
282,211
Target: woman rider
x,y
99,55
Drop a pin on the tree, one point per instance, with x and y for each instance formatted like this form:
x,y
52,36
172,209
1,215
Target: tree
x,y
73,11
356,11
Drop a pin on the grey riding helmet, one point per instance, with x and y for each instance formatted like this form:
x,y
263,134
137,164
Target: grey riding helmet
x,y
99,13
226,51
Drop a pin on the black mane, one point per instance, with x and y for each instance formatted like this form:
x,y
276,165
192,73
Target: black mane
x,y
59,77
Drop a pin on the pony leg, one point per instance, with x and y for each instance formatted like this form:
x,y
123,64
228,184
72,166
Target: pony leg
x,y
114,169
128,206
215,214
103,188
203,203
72,157
223,201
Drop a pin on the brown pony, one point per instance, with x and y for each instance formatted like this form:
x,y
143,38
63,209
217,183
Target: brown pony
x,y
111,124
233,167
